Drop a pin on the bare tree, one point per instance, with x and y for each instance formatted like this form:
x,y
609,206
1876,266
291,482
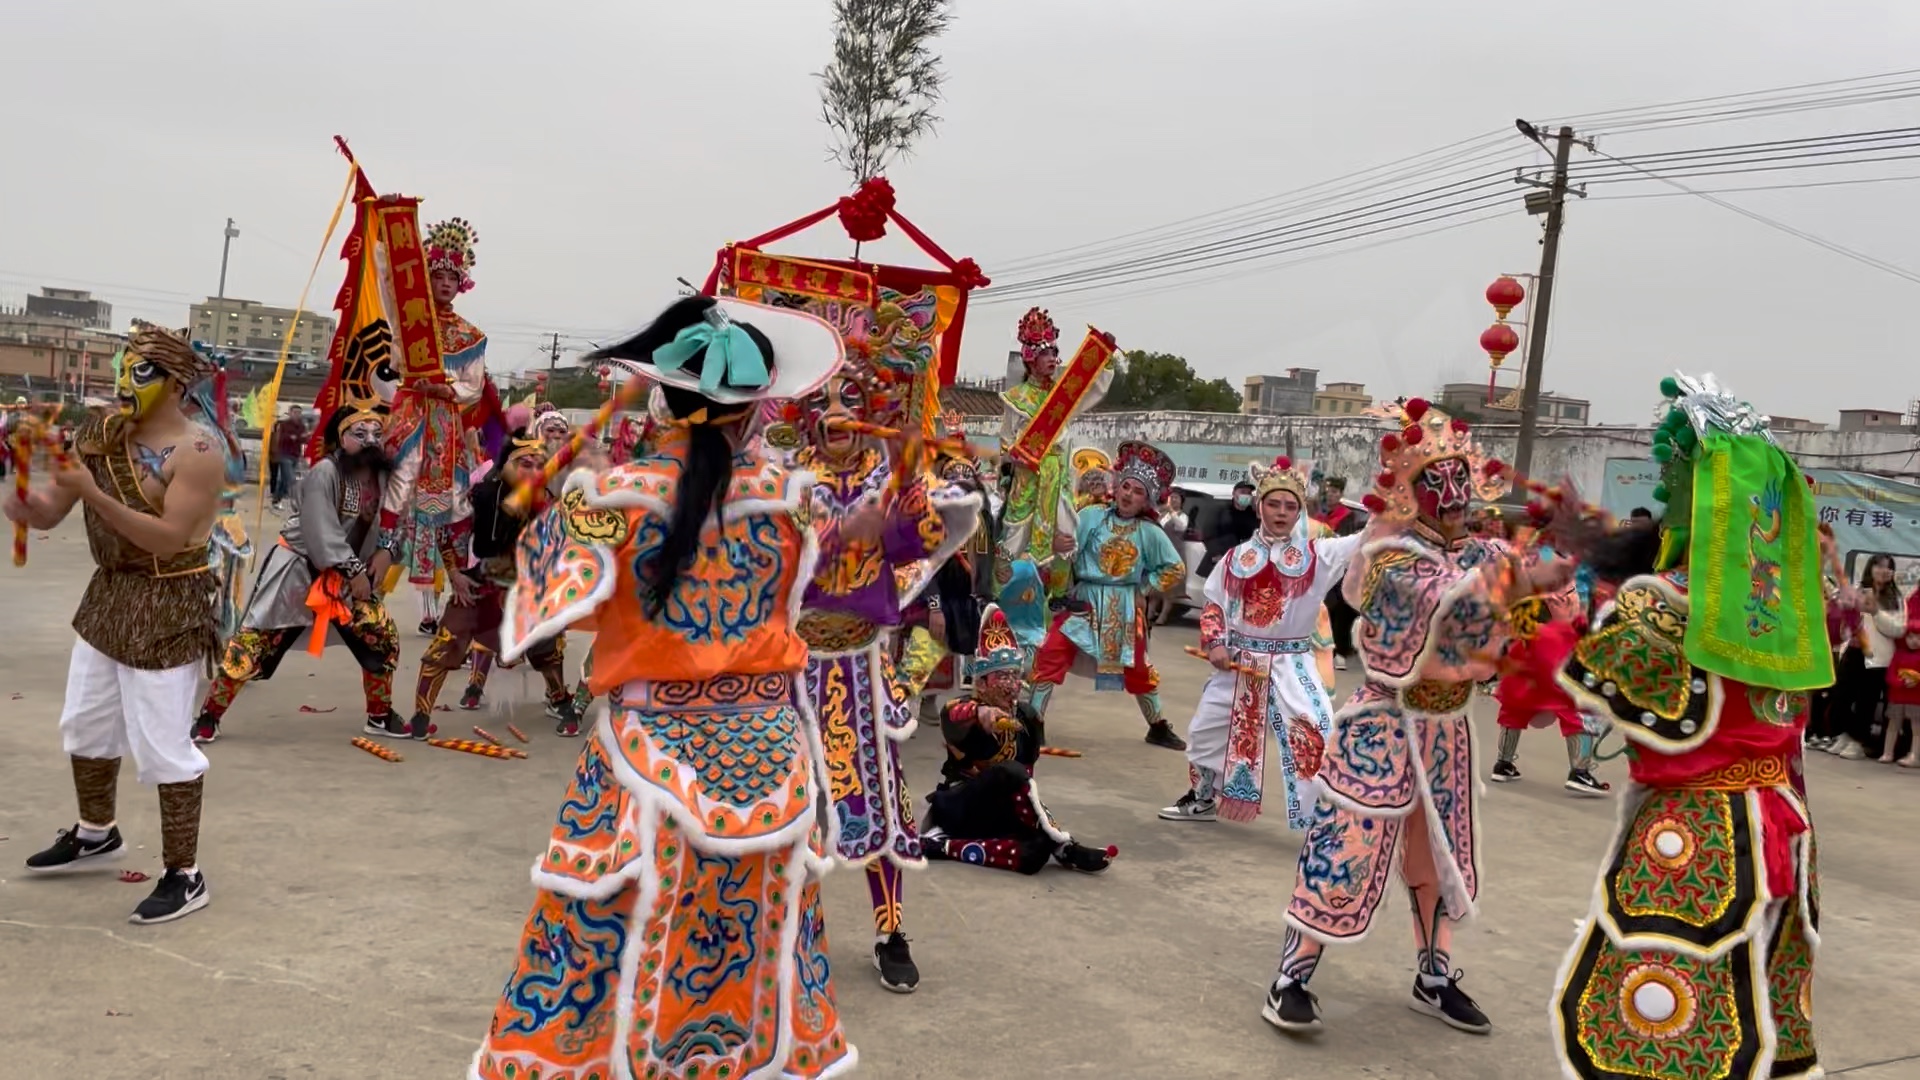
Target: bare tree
x,y
878,93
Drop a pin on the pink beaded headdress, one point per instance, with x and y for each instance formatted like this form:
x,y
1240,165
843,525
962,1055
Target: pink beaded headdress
x,y
1147,464
1428,436
450,247
1038,336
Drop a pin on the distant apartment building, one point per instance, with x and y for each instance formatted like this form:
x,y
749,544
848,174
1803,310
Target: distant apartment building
x,y
1291,394
1871,419
1341,399
72,305
1555,409
1794,423
58,342
247,324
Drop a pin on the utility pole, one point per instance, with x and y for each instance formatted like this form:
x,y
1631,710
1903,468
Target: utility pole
x,y
1556,202
553,360
225,245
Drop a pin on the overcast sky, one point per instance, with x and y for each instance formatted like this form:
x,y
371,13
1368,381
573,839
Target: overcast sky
x,y
603,148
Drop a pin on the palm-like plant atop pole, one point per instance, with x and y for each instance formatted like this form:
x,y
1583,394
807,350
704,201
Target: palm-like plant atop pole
x,y
878,93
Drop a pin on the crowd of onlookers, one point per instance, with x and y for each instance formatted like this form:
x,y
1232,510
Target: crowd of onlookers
x,y
1868,711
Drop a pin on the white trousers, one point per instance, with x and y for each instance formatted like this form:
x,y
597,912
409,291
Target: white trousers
x,y
1207,731
112,709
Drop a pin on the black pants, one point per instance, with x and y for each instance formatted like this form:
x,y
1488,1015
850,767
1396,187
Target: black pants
x,y
1832,713
1342,616
1867,699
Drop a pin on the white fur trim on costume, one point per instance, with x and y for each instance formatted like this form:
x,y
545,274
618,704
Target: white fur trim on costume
x,y
960,511
1047,824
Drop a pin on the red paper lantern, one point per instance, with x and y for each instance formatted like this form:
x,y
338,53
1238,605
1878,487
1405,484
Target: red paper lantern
x,y
1505,294
1499,340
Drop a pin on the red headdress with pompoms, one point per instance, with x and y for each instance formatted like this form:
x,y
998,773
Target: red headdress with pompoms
x,y
1428,435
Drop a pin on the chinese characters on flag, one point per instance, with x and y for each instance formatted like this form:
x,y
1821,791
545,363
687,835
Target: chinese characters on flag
x,y
1094,354
415,330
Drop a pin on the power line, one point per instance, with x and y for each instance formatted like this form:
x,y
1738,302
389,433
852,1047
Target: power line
x,y
1628,113
1758,187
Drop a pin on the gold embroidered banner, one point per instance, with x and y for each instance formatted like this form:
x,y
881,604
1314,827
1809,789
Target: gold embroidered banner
x,y
414,325
811,279
1094,354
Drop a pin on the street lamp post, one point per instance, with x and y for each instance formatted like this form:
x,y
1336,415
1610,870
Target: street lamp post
x,y
225,246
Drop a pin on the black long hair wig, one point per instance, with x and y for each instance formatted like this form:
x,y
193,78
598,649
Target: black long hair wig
x,y
709,468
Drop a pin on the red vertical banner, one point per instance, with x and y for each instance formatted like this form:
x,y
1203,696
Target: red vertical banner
x,y
415,326
1056,411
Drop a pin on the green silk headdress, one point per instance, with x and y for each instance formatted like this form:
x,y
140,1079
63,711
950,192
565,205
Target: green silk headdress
x,y
1741,516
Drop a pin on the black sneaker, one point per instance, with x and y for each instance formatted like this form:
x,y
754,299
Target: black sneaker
x,y
566,721
205,729
1191,808
1505,772
1451,1006
69,852
471,699
419,727
389,726
1292,1008
894,961
429,627
179,894
1085,859
1586,785
1160,733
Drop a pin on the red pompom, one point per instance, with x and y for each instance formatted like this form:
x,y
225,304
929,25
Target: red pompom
x,y
1113,851
1283,462
1374,503
1416,408
1493,468
970,274
1413,435
1386,480
1389,444
1461,426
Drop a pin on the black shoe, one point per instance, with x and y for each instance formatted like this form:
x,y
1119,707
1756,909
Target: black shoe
x,y
205,729
1292,1008
471,699
419,727
1505,772
1585,784
1160,733
566,720
179,894
389,726
69,852
429,627
1085,859
894,961
1448,1004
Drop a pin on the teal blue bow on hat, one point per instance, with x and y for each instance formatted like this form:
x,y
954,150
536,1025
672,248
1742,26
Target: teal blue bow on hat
x,y
731,354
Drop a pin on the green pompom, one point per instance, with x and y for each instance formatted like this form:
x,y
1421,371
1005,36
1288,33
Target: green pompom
x,y
1662,452
1688,440
1660,494
1669,387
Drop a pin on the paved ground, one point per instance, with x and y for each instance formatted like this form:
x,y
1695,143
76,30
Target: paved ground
x,y
365,914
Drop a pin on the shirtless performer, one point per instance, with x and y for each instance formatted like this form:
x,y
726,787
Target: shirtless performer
x,y
150,479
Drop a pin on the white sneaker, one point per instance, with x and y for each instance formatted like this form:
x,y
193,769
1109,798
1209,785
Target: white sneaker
x,y
1190,808
1339,662
1849,750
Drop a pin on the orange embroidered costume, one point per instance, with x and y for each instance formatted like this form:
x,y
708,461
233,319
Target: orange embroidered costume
x,y
678,930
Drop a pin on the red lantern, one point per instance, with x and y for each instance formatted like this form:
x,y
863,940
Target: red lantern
x,y
1499,340
1505,294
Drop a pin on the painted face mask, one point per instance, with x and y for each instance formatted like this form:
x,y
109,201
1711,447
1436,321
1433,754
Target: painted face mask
x,y
1444,486
359,435
141,385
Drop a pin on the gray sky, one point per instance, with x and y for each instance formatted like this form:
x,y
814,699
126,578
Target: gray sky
x,y
602,148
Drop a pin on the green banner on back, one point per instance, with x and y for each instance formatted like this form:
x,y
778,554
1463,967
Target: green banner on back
x,y
1757,611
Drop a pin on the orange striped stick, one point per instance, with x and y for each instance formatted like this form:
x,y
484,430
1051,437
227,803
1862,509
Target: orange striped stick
x,y
1060,751
629,395
376,749
516,733
470,746
1238,669
485,734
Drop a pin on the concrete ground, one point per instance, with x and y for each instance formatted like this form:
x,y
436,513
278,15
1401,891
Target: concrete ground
x,y
365,914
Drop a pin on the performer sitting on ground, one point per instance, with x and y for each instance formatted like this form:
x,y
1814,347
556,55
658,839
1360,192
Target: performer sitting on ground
x,y
145,629
986,809
479,592
1696,957
1121,553
1398,783
321,579
1264,603
1544,630
678,929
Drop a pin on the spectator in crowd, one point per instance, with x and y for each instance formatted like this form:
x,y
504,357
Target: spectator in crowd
x,y
1229,526
1862,671
1831,716
285,446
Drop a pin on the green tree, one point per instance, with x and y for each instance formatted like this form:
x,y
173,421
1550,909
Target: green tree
x,y
575,388
877,93
1146,381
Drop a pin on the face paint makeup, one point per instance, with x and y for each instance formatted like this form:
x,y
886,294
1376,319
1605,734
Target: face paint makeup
x,y
1444,487
141,386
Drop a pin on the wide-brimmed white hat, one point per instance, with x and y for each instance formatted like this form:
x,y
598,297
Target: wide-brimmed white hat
x,y
807,350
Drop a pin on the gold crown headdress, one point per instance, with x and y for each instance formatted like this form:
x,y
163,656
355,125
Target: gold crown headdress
x,y
1280,476
1429,435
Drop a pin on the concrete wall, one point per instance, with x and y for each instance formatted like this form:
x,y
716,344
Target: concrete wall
x,y
1221,443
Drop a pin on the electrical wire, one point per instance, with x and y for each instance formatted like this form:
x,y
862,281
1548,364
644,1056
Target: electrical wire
x,y
1791,96
1759,187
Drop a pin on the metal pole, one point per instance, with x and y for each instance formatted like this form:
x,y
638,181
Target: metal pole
x,y
225,245
1543,298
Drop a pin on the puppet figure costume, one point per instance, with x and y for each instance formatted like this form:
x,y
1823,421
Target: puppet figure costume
x,y
1116,562
1695,960
678,933
1265,600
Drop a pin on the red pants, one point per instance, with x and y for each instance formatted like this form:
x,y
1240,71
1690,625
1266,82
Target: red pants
x,y
1056,653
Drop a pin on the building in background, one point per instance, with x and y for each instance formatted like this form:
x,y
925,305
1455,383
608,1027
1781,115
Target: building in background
x,y
58,344
1795,423
71,305
254,330
1291,394
1872,419
1341,399
1463,398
